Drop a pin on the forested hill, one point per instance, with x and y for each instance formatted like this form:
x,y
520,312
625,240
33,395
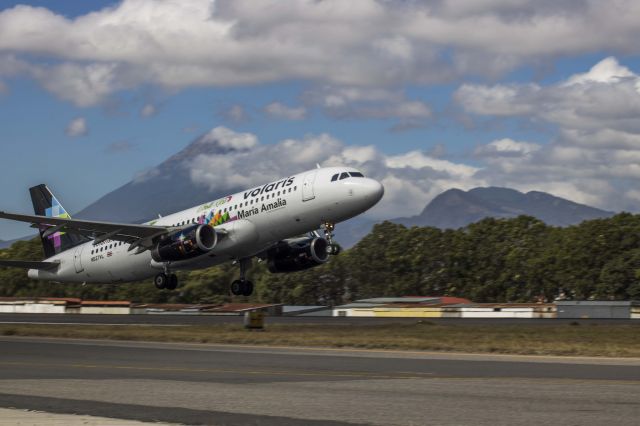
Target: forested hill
x,y
494,260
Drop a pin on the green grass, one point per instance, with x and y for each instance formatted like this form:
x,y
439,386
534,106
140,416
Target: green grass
x,y
565,339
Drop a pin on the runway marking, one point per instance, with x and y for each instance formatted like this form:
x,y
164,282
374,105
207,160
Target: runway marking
x,y
354,374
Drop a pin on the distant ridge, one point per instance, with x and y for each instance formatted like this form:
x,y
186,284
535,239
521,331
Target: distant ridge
x,y
456,208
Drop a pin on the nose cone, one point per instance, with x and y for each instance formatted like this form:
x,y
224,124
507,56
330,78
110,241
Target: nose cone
x,y
371,190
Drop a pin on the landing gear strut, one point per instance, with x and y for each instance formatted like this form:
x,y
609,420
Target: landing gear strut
x,y
242,287
328,227
166,280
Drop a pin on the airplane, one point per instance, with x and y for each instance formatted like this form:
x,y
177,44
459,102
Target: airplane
x,y
288,223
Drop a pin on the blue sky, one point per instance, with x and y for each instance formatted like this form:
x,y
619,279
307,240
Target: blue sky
x,y
529,94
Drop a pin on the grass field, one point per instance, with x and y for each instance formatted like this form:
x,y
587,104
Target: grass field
x,y
565,339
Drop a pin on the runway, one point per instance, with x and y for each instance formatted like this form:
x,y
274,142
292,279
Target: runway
x,y
239,385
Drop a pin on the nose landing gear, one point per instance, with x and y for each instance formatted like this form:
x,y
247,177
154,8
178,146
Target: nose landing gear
x,y
328,227
242,287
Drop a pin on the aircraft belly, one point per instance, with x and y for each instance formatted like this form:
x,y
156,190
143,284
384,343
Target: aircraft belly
x,y
121,266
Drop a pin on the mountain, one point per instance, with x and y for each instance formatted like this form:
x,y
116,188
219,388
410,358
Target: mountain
x,y
165,189
456,208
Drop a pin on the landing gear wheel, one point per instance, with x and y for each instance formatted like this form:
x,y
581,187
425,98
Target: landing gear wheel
x,y
248,288
236,288
173,282
161,280
334,249
242,288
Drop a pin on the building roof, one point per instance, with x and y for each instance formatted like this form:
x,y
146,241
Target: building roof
x,y
122,303
242,307
595,302
405,299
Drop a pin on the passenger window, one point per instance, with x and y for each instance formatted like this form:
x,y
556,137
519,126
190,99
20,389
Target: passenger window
x,y
262,198
334,177
356,174
344,175
278,193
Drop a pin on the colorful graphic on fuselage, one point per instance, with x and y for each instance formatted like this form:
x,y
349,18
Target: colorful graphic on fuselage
x,y
212,218
215,219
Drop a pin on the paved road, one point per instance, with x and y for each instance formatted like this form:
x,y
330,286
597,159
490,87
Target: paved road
x,y
176,319
236,385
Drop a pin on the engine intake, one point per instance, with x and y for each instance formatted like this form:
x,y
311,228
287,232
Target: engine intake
x,y
297,254
185,244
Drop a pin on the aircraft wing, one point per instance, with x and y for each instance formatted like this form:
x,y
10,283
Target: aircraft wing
x,y
137,235
26,264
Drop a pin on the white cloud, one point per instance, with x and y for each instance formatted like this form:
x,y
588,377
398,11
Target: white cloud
x,y
364,43
77,127
148,110
84,85
349,102
595,154
235,114
506,148
607,70
228,138
281,111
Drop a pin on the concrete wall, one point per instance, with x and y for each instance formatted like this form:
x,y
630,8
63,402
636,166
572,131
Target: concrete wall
x,y
32,308
105,310
497,312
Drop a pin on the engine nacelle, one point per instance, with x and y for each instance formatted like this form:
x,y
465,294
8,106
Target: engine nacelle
x,y
188,243
297,254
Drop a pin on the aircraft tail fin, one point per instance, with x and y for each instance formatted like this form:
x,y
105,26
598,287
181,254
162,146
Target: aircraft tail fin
x,y
46,204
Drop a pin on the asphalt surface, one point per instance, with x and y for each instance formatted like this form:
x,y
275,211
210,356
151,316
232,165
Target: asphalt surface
x,y
186,319
240,385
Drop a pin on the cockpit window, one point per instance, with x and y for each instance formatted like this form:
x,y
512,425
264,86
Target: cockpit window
x,y
344,175
356,174
334,177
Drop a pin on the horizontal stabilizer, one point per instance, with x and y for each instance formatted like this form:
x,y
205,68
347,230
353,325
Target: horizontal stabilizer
x,y
27,264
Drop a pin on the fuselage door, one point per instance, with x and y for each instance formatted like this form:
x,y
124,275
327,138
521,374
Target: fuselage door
x,y
77,259
307,186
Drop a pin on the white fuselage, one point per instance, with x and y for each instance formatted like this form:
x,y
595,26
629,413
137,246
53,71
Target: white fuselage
x,y
251,220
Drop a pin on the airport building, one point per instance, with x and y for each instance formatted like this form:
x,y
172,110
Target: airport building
x,y
442,307
380,307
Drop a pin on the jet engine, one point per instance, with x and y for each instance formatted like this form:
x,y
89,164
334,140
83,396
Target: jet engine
x,y
185,244
297,254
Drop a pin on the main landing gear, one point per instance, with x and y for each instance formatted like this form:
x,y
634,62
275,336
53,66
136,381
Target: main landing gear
x,y
242,287
166,280
334,248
